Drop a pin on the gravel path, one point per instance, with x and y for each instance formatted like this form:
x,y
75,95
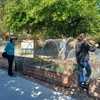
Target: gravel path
x,y
73,91
17,88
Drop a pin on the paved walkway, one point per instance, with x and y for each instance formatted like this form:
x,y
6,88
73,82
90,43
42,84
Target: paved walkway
x,y
17,88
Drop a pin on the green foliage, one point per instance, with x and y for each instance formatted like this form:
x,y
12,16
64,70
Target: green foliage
x,y
2,24
53,17
58,67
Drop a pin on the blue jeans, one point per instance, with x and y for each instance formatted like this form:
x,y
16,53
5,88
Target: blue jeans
x,y
81,77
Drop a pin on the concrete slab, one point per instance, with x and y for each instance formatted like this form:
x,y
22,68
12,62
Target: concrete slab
x,y
17,88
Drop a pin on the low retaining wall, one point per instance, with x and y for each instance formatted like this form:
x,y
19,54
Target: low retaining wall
x,y
4,63
19,63
61,79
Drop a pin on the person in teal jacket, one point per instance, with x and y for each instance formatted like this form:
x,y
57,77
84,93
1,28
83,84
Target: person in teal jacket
x,y
10,49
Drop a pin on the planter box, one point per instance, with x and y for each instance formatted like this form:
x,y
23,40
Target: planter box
x,y
57,78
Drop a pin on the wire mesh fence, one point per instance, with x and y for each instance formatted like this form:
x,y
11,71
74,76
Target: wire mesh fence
x,y
47,55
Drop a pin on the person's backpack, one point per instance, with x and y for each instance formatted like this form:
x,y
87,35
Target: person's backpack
x,y
4,55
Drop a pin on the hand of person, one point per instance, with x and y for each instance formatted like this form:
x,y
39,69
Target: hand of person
x,y
97,45
59,55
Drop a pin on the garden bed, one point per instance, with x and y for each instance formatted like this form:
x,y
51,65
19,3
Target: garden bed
x,y
51,76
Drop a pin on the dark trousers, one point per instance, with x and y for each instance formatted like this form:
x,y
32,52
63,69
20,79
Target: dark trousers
x,y
10,62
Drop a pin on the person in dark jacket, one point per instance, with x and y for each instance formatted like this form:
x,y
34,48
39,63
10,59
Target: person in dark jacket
x,y
82,56
10,49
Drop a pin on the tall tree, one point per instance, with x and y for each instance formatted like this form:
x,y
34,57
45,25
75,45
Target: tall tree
x,y
56,17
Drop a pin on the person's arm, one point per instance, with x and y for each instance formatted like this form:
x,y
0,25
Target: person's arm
x,y
61,50
89,48
77,49
7,47
92,49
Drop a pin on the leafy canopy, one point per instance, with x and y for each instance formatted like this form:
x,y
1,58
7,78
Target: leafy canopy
x,y
55,17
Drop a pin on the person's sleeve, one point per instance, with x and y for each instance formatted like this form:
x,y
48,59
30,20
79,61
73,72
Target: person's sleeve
x,y
65,47
77,49
92,49
7,47
89,48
